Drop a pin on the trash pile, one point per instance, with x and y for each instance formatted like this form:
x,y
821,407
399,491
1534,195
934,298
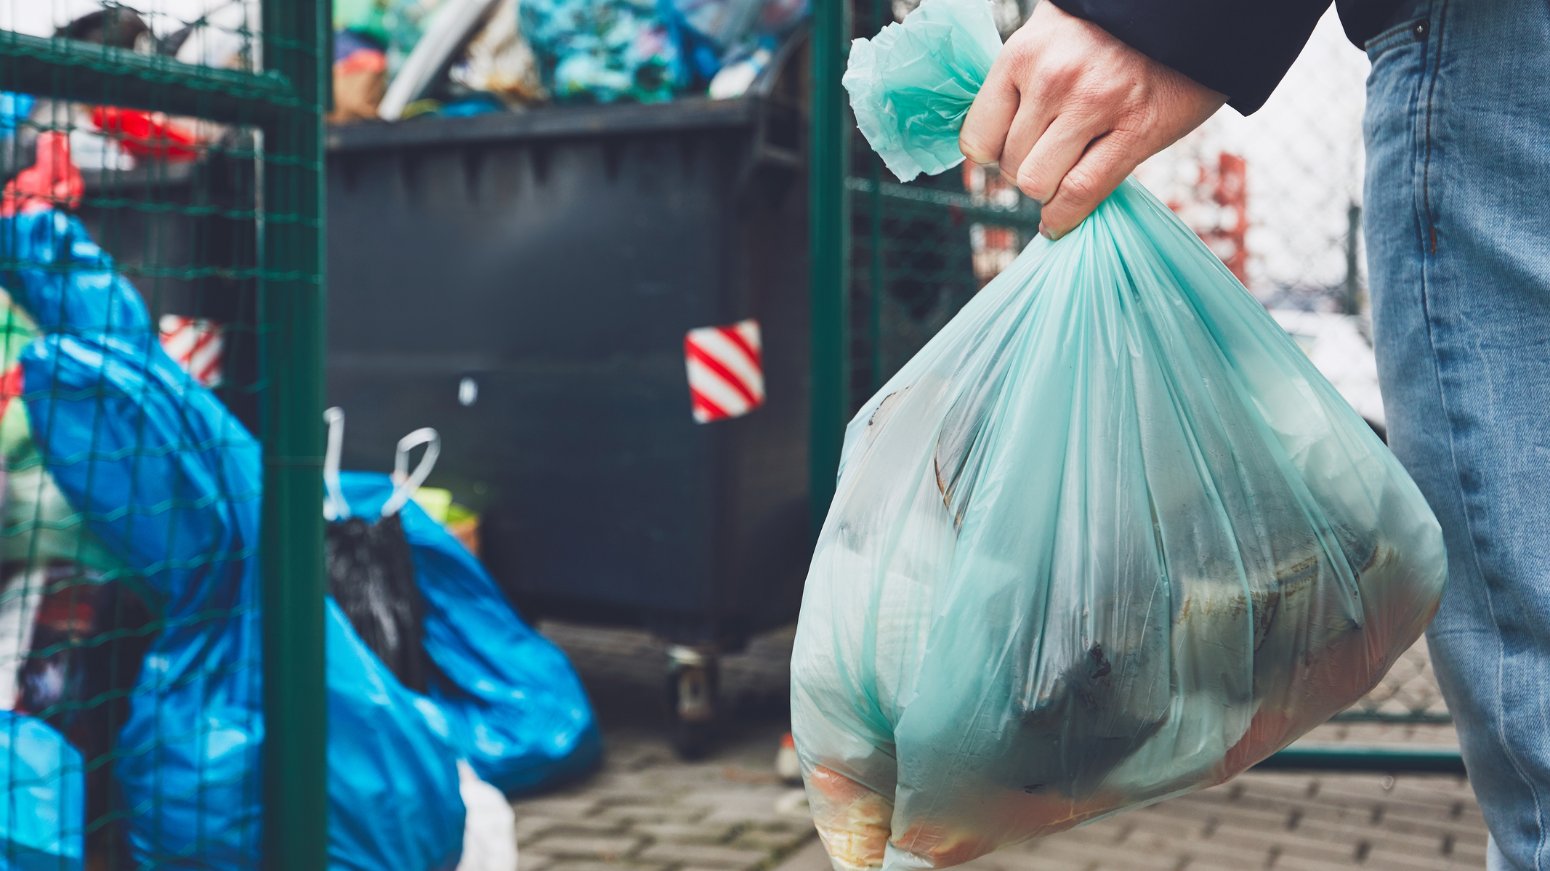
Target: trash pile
x,y
396,59
116,139
1108,538
131,679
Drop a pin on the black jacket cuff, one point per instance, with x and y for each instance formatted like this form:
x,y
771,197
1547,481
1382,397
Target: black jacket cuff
x,y
1237,47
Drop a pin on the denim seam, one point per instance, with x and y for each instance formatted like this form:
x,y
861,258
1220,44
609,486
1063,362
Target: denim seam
x,y
1427,227
1394,36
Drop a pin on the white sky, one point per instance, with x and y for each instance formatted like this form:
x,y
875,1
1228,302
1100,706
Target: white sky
x,y
41,17
1305,160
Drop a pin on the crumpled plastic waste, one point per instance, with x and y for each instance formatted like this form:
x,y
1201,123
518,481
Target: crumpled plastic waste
x,y
713,34
1108,538
500,62
603,51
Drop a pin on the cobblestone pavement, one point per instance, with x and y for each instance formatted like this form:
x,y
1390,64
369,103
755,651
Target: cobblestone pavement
x,y
649,811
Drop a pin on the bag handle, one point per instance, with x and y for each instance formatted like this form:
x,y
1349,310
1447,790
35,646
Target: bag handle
x,y
334,506
408,483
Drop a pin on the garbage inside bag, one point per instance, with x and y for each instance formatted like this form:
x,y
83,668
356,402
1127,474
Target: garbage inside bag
x,y
371,574
1109,537
170,481
41,820
517,710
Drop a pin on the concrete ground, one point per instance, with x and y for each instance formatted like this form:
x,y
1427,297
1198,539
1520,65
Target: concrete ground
x,y
649,811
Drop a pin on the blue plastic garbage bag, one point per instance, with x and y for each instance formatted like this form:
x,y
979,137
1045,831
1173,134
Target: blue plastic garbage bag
x,y
710,32
518,712
14,109
171,482
41,824
65,281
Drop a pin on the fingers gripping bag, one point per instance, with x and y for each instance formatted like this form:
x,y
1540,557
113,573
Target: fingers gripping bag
x,y
1108,538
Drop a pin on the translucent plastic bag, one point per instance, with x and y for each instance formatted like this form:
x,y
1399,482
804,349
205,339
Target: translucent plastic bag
x,y
1109,537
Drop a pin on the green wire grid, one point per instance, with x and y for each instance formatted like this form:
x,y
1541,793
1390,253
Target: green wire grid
x,y
234,236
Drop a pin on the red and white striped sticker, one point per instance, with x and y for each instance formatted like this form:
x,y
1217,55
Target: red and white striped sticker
x,y
726,370
196,345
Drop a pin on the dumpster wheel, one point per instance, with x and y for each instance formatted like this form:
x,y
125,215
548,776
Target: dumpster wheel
x,y
693,685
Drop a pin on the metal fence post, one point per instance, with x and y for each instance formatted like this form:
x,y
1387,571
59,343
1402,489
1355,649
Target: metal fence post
x,y
291,345
830,241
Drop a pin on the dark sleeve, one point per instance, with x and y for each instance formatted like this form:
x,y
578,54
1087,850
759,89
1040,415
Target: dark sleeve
x,y
1241,48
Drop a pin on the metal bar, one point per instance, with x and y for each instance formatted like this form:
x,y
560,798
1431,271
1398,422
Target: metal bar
x,y
875,289
829,227
1024,215
84,72
1413,760
1420,718
1353,286
290,309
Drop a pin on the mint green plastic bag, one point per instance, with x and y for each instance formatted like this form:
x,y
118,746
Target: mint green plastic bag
x,y
1109,537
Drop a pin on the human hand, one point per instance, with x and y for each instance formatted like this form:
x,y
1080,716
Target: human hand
x,y
1068,111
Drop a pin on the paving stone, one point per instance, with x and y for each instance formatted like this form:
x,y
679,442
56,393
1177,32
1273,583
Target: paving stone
x,y
763,839
637,814
709,855
686,833
560,808
594,865
584,846
531,826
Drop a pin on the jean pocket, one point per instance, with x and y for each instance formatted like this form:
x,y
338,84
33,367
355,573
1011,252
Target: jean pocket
x,y
1412,30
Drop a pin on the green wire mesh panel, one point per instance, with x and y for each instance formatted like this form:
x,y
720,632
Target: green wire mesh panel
x,y
917,252
160,570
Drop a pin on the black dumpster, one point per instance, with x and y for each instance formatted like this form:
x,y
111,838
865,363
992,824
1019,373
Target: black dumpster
x,y
524,283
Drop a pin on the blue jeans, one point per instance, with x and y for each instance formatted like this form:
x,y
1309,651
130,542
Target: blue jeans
x,y
1458,245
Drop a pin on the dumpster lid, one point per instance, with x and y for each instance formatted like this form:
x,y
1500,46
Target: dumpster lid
x,y
549,122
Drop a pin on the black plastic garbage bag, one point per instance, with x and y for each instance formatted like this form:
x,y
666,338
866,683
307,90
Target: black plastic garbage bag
x,y
371,576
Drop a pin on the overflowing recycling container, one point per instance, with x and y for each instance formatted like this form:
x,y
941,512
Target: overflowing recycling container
x,y
604,311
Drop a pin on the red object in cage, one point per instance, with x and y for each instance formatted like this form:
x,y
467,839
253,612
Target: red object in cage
x,y
147,134
52,182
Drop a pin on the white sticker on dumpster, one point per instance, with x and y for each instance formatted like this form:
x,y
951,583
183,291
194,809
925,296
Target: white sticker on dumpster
x,y
726,370
196,344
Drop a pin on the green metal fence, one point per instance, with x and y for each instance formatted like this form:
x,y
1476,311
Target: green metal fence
x,y
893,262
223,238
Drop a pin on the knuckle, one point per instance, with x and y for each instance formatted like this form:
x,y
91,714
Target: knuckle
x,y
1079,186
1033,185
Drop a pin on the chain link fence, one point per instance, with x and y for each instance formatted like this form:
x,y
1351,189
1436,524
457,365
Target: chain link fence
x,y
158,245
